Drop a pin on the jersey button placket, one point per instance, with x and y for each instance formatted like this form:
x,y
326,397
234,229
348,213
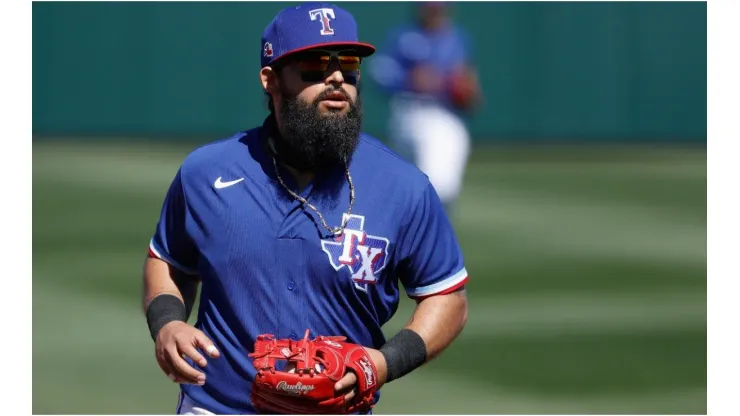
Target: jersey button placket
x,y
291,287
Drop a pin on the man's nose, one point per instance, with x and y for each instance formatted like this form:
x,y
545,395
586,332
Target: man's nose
x,y
335,73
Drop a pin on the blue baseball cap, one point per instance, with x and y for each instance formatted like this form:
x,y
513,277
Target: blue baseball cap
x,y
310,26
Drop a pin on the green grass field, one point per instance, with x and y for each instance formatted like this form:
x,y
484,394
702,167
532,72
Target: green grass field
x,y
587,293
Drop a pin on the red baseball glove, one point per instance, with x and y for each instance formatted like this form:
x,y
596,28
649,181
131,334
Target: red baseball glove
x,y
462,87
306,384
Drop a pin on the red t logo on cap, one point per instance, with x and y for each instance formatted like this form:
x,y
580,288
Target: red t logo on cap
x,y
323,16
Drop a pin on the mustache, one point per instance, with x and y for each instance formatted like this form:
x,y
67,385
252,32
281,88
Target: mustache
x,y
332,90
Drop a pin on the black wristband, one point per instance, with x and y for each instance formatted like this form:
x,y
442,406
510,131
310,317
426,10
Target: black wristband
x,y
403,353
163,310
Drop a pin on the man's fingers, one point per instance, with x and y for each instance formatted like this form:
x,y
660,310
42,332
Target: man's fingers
x,y
189,351
168,370
350,395
184,369
347,382
206,345
176,346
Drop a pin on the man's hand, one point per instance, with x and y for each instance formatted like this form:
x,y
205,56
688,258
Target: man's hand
x,y
346,385
177,340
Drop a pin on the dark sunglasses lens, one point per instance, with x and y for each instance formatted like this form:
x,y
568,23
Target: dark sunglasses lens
x,y
350,77
349,63
318,62
313,76
314,63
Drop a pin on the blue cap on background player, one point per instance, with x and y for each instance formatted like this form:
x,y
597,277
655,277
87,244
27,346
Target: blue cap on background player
x,y
309,26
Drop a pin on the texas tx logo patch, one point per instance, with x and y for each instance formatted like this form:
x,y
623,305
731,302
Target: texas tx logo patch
x,y
363,254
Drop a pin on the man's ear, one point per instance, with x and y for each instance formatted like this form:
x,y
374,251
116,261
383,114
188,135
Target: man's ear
x,y
269,80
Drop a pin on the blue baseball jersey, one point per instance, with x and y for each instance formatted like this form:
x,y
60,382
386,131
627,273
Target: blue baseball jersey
x,y
410,45
267,265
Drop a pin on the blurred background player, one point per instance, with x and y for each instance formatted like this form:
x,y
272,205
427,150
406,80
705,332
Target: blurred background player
x,y
426,66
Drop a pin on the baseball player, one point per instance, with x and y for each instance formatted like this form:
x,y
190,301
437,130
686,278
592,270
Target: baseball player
x,y
303,225
426,67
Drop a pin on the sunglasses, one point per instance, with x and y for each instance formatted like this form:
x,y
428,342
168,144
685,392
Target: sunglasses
x,y
313,64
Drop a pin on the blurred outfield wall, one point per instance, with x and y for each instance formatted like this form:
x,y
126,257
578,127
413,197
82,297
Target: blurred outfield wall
x,y
600,71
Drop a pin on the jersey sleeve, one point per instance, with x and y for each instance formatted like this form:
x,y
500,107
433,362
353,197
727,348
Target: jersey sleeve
x,y
171,242
430,258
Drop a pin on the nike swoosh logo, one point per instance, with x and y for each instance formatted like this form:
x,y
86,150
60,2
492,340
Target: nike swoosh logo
x,y
219,185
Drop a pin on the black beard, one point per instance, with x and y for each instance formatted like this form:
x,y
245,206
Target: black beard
x,y
312,141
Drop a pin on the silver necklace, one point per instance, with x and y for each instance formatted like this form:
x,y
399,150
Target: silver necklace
x,y
335,230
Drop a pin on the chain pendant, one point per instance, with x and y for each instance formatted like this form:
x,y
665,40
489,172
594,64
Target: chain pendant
x,y
336,231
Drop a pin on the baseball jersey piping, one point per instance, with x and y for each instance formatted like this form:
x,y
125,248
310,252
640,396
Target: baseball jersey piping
x,y
159,253
456,279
